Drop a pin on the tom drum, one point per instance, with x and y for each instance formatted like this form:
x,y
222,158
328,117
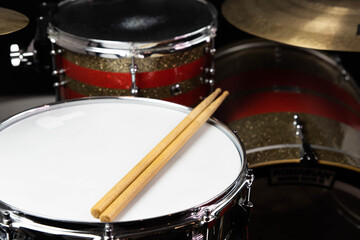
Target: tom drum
x,y
298,113
155,49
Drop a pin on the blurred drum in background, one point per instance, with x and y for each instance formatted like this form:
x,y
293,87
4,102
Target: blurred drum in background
x,y
298,113
156,49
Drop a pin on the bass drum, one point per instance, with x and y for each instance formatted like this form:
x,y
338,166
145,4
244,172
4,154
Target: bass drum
x,y
68,155
155,49
298,113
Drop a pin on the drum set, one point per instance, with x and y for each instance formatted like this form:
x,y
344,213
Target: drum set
x,y
280,158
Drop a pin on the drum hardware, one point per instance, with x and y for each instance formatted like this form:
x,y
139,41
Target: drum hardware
x,y
209,71
325,25
20,57
278,55
133,69
57,73
308,155
250,179
16,226
207,216
209,77
56,52
36,56
6,218
4,225
345,75
176,89
37,53
246,204
57,86
108,235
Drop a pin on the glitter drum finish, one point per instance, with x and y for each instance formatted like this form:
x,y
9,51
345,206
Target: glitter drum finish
x,y
156,49
269,84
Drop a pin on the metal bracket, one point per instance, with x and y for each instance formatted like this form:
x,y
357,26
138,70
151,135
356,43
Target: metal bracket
x,y
250,179
5,233
133,69
209,71
108,232
57,73
308,155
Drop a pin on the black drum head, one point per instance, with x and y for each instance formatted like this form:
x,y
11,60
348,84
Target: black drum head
x,y
133,20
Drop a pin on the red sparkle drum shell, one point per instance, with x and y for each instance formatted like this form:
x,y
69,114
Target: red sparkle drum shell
x,y
169,51
269,83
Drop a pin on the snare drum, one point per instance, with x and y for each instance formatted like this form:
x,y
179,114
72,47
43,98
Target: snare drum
x,y
155,49
287,104
68,155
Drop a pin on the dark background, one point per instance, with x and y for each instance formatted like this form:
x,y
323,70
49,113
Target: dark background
x,y
28,80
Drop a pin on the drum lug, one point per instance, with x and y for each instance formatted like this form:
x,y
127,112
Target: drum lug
x,y
133,69
207,217
6,218
308,155
5,232
278,54
59,84
209,214
249,180
53,53
108,232
10,227
247,205
345,75
176,90
59,72
207,81
209,72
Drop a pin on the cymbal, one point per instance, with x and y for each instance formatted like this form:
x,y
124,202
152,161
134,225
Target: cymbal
x,y
11,21
323,24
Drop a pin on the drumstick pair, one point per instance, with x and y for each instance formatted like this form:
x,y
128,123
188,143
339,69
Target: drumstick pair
x,y
108,207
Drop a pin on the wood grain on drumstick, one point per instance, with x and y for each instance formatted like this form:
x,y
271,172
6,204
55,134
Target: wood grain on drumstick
x,y
144,178
113,193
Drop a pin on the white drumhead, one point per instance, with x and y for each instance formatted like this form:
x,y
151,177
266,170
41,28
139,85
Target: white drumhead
x,y
57,161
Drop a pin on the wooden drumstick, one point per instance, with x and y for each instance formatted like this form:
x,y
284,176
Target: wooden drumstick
x,y
144,178
111,195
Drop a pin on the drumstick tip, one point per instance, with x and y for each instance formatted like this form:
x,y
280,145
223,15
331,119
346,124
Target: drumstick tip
x,y
225,93
95,212
105,218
